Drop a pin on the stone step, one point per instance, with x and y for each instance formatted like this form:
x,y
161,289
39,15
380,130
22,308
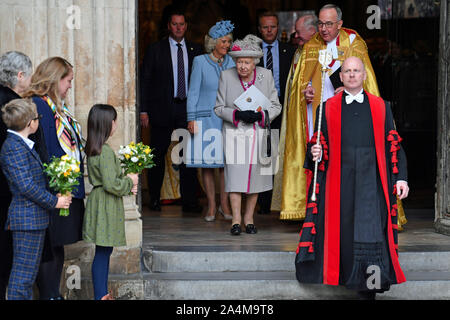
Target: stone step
x,y
279,286
182,261
252,286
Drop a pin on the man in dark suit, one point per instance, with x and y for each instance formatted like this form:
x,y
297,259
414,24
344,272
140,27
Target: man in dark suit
x,y
164,86
277,58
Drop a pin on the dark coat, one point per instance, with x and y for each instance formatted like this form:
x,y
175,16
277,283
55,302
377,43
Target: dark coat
x,y
6,95
157,85
286,52
47,143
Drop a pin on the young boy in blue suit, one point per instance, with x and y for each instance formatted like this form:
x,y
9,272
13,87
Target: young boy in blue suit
x,y
27,214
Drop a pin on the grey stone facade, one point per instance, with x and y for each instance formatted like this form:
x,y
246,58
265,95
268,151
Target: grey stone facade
x,y
442,203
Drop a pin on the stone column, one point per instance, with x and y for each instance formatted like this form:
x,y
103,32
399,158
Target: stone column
x,y
98,38
442,203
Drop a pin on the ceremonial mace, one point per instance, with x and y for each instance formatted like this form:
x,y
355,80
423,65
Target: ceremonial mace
x,y
324,59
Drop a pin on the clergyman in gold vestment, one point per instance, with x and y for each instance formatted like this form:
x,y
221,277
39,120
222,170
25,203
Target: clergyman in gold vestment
x,y
305,98
305,28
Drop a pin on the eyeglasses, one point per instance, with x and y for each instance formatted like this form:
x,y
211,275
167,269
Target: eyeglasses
x,y
327,24
39,117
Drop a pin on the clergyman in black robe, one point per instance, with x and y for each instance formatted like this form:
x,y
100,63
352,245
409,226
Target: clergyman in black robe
x,y
349,236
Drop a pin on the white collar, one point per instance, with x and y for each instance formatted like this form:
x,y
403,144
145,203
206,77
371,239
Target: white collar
x,y
361,91
333,42
273,44
331,46
29,142
173,42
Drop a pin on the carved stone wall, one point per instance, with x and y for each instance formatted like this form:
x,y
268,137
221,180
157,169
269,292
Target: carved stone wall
x,y
98,38
442,203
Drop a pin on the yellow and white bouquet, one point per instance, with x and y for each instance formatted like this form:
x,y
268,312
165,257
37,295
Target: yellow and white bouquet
x,y
135,157
63,173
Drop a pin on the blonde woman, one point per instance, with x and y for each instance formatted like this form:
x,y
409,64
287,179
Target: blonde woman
x,y
58,134
201,100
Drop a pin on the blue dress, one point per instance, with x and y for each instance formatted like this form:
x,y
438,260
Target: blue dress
x,y
204,149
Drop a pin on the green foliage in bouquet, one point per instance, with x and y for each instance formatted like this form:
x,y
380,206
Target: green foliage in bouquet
x,y
63,173
135,157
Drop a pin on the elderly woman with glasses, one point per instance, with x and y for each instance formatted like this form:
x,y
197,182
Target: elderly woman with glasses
x,y
248,164
15,77
203,85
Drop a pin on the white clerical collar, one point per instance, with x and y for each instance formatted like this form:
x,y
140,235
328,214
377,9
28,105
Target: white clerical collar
x,y
29,142
331,46
333,42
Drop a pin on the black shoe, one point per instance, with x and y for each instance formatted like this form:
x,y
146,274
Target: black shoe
x,y
236,229
155,205
196,208
264,211
251,229
366,295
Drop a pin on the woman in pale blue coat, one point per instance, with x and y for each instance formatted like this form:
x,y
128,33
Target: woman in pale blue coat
x,y
204,148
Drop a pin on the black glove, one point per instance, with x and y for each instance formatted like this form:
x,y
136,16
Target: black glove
x,y
248,116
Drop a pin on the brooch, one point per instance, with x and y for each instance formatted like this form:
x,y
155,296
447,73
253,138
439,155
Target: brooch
x,y
260,77
249,99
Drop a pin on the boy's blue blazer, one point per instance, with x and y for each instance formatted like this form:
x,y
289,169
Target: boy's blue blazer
x,y
30,199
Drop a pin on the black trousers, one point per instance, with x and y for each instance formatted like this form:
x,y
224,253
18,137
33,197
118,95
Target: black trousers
x,y
160,139
6,247
265,198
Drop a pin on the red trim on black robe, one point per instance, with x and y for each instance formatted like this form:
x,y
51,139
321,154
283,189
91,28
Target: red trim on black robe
x,y
331,255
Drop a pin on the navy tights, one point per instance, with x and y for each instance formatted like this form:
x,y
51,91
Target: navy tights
x,y
100,270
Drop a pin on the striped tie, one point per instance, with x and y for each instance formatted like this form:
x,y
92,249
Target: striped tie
x,y
269,60
181,89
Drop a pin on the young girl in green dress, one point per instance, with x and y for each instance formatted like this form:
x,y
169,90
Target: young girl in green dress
x,y
104,220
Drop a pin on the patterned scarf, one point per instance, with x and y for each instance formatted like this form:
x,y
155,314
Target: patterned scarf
x,y
65,128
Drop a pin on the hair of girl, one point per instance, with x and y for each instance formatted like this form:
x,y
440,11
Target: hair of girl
x,y
99,128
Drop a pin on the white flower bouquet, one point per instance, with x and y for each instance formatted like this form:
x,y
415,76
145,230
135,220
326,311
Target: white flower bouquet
x,y
63,173
135,157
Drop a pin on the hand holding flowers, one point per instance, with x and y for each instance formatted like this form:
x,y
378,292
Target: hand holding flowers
x,y
135,178
63,173
63,201
135,157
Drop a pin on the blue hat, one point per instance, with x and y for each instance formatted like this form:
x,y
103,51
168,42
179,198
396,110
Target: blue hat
x,y
221,29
